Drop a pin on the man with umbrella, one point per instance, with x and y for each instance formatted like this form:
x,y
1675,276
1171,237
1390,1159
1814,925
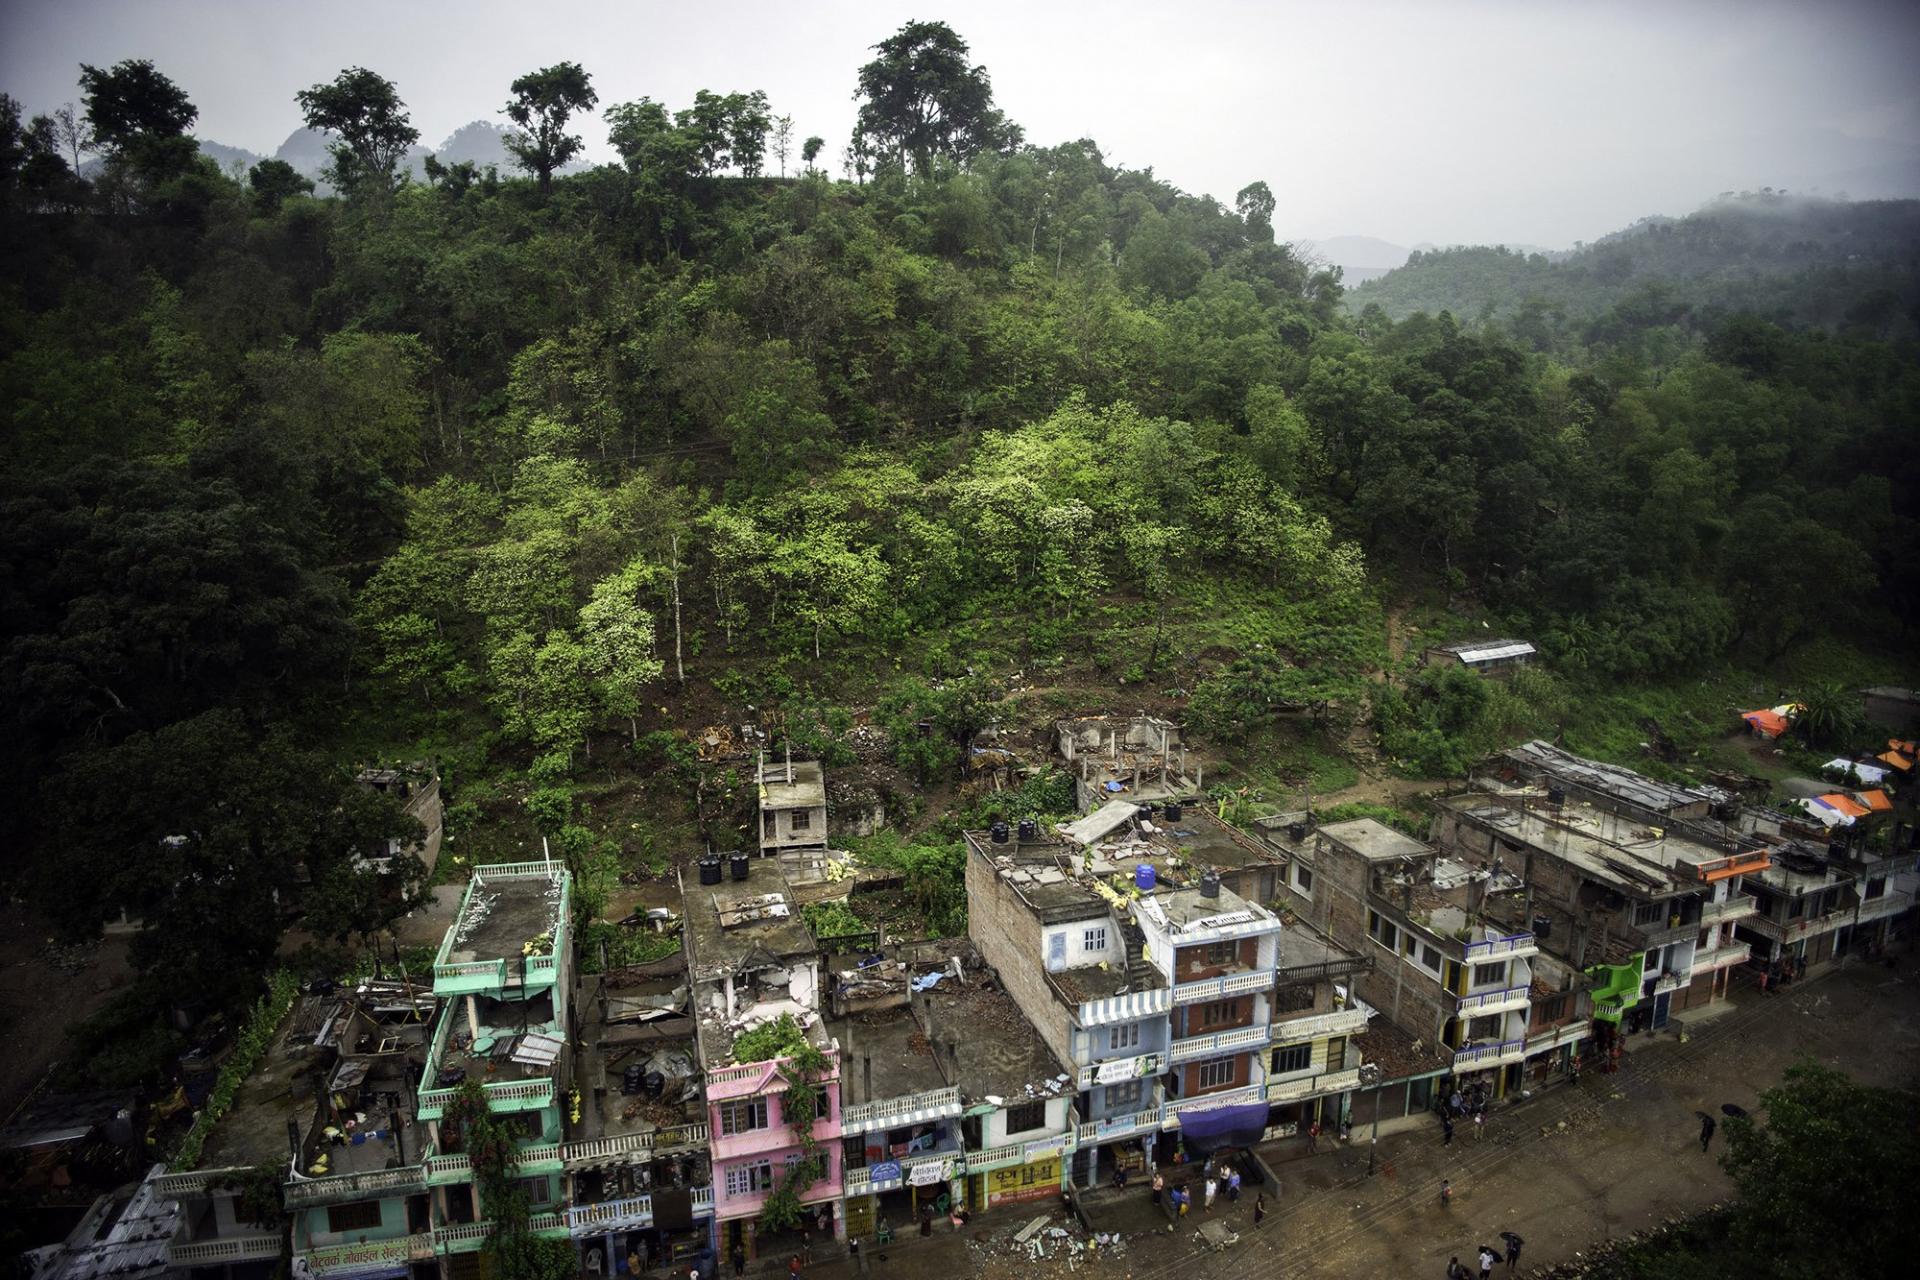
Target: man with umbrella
x,y
1513,1249
1489,1258
1707,1125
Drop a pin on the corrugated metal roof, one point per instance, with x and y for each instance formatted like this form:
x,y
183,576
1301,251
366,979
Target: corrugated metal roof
x,y
1494,652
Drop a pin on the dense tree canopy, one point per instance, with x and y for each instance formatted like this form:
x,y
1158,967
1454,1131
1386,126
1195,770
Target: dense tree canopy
x,y
543,102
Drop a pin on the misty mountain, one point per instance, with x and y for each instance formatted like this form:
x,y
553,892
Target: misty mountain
x,y
1798,260
1358,257
228,157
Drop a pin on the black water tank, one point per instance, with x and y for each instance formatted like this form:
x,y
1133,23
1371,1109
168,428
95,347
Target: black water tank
x,y
1837,851
633,1079
999,832
654,1085
1543,927
709,869
1029,829
1173,812
742,865
1210,884
1556,795
1143,812
1296,831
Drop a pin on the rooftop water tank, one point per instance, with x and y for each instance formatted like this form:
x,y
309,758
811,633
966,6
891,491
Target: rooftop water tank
x,y
709,868
1029,829
742,866
999,832
1143,878
1173,811
1210,884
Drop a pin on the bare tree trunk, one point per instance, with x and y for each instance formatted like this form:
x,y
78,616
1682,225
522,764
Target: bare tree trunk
x,y
679,671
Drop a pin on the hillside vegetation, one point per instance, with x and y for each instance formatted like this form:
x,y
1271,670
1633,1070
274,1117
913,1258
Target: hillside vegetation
x,y
533,482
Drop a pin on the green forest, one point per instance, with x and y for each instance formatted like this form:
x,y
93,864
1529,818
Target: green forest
x,y
532,472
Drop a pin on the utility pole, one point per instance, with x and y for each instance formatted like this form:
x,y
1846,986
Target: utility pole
x,y
1370,1074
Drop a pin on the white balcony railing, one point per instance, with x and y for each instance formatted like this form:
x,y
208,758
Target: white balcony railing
x,y
1720,957
1230,984
891,1113
1340,1022
227,1249
1226,1098
1096,1131
1218,1043
1513,946
1308,1086
1887,904
355,1185
1479,1056
1738,907
1120,1070
1488,1002
634,1211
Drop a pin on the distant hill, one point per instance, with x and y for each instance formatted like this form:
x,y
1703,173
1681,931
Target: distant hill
x,y
1797,260
227,157
1358,257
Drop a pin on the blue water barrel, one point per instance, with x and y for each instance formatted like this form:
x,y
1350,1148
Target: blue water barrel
x,y
1143,876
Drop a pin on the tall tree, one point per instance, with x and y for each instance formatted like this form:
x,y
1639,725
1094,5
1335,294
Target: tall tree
x,y
922,99
810,150
133,103
782,141
371,129
1255,204
542,104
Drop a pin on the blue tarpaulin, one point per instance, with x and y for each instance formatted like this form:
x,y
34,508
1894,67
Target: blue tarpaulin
x,y
1238,1126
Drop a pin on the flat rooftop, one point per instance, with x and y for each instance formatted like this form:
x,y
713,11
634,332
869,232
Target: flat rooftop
x,y
896,1044
1624,853
800,785
1376,841
1088,982
1206,841
1301,945
1190,909
1545,759
741,925
1400,1054
997,1053
499,917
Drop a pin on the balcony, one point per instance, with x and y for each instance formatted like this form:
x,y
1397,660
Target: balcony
x,y
777,1135
466,1237
1806,926
1024,1152
611,1215
1516,946
364,1257
1119,1070
340,1188
502,1096
919,1171
1478,1057
1672,980
1738,907
1229,984
1310,1086
1570,1033
1225,1098
898,1113
1887,904
1665,930
1720,957
1340,1022
1219,1043
207,1253
174,1186
1490,1002
1120,1126
632,1148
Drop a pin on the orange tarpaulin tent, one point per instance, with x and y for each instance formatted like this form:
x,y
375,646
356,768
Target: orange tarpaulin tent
x,y
1769,724
1898,761
1876,801
1845,804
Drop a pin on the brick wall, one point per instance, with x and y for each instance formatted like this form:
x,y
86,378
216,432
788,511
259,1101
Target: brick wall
x,y
1190,1077
1008,935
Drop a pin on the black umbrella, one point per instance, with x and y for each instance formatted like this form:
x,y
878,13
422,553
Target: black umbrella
x,y
1729,1109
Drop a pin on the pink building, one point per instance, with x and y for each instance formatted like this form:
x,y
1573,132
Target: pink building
x,y
755,970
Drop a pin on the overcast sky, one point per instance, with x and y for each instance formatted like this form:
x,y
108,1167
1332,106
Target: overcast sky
x,y
1466,121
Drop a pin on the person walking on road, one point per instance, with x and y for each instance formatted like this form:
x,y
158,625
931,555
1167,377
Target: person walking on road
x,y
1259,1208
1513,1249
1488,1260
1213,1187
1233,1186
1159,1185
1707,1125
739,1257
1446,1130
1446,1193
1313,1137
1479,1123
1457,1272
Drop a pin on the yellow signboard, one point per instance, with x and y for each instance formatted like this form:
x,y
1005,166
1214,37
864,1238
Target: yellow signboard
x,y
1024,1181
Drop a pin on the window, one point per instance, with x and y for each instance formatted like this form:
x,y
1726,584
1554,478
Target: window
x,y
1219,953
1490,975
743,1115
354,1217
1123,1035
1216,1013
1876,886
1126,1097
1294,1057
1551,1009
1303,879
747,1179
802,819
1094,939
1214,1073
1294,999
766,824
536,1190
1383,930
1484,1028
1649,913
1030,1115
1429,957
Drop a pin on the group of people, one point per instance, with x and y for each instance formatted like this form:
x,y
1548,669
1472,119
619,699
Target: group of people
x,y
1218,1178
1469,1104
1490,1257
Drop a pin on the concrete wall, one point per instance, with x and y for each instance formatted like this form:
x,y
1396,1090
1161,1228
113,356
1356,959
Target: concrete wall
x,y
785,834
1077,952
993,1126
1008,935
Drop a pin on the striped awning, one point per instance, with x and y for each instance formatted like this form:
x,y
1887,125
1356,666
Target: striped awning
x,y
905,1119
1131,1007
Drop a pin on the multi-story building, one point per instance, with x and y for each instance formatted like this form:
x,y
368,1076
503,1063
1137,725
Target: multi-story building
x,y
1443,968
1141,758
775,1123
793,805
1162,991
